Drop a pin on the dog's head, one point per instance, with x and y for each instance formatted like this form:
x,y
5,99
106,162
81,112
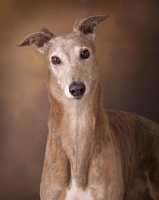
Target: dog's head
x,y
70,57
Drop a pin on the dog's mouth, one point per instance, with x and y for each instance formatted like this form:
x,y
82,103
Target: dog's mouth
x,y
79,97
75,98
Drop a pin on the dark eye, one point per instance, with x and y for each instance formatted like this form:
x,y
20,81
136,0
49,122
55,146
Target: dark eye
x,y
85,54
55,60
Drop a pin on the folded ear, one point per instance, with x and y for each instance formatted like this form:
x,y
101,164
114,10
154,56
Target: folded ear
x,y
38,39
88,26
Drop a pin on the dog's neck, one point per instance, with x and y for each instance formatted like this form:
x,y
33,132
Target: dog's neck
x,y
75,123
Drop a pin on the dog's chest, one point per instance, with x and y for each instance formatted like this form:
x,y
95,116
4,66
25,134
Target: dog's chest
x,y
75,193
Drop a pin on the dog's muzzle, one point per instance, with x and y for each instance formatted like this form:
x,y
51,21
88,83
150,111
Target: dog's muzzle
x,y
77,89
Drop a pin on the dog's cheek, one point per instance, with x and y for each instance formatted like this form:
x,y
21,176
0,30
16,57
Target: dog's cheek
x,y
87,88
67,93
57,74
89,78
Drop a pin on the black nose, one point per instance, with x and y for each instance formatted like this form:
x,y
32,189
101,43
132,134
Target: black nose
x,y
77,89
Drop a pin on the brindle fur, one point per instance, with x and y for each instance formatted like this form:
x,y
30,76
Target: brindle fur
x,y
114,154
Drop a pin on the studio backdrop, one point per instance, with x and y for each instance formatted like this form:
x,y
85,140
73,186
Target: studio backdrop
x,y
127,50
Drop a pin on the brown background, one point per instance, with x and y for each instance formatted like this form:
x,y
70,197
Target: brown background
x,y
128,55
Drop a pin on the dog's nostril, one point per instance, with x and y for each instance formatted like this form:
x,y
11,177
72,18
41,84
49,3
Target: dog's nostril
x,y
72,91
82,90
77,89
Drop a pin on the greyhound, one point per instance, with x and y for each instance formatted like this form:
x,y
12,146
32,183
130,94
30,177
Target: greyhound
x,y
91,153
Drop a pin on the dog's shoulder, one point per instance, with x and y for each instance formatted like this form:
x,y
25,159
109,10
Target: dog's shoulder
x,y
131,122
133,128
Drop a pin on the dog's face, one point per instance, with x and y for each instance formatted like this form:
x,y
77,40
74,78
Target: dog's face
x,y
71,57
72,64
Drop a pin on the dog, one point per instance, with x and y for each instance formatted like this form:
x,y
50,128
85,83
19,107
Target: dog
x,y
91,153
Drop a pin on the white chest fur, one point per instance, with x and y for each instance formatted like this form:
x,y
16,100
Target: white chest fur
x,y
75,193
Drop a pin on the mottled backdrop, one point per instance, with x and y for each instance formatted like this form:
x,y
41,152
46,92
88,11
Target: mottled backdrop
x,y
128,56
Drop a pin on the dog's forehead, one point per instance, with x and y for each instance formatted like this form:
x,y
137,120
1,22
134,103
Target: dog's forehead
x,y
70,41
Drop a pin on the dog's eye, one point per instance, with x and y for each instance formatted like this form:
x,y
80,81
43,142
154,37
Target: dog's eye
x,y
55,60
85,54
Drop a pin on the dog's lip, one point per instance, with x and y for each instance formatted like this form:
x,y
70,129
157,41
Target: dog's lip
x,y
78,98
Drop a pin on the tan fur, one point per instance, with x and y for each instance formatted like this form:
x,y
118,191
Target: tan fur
x,y
113,155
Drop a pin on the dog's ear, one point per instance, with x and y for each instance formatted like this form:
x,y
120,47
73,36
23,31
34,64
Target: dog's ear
x,y
88,26
38,39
